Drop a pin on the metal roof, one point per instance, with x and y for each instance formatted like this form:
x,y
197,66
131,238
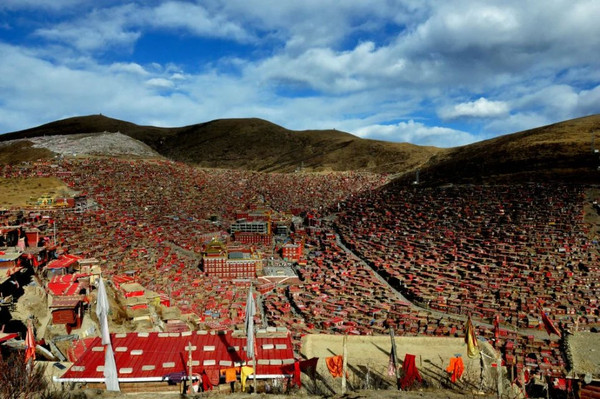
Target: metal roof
x,y
154,355
68,284
63,262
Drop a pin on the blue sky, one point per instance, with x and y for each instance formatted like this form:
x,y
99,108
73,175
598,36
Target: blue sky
x,y
443,73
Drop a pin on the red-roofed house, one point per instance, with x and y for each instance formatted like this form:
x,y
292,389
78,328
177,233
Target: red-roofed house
x,y
67,310
64,264
69,284
149,358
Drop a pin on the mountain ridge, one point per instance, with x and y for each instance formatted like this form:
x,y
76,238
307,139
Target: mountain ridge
x,y
560,151
250,143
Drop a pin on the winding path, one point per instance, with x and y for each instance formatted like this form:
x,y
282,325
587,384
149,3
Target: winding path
x,y
538,334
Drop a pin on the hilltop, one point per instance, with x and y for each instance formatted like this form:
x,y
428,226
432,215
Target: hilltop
x,y
561,151
251,144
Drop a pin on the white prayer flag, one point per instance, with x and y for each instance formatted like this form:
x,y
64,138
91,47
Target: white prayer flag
x,y
250,312
110,367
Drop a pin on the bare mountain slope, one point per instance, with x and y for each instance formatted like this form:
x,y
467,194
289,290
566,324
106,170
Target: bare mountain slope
x,y
252,144
561,151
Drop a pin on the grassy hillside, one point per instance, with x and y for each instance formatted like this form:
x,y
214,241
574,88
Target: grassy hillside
x,y
561,151
252,144
260,145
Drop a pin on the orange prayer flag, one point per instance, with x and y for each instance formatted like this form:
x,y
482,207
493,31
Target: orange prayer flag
x,y
335,365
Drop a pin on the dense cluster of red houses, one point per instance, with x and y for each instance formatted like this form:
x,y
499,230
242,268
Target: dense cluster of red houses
x,y
508,251
156,219
194,239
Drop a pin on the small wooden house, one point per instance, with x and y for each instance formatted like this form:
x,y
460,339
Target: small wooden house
x,y
68,310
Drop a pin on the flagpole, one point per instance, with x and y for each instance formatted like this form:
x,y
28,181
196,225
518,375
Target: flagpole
x,y
254,343
395,356
190,390
344,363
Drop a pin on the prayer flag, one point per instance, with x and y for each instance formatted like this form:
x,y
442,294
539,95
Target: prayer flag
x,y
456,368
245,372
411,373
391,366
297,379
548,325
471,340
29,343
250,312
110,367
335,365
309,366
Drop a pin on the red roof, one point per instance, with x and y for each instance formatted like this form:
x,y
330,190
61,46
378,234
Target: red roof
x,y
63,262
122,279
68,284
78,348
154,355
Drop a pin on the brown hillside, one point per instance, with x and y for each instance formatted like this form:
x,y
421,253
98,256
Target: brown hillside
x,y
93,124
561,151
252,144
260,145
21,151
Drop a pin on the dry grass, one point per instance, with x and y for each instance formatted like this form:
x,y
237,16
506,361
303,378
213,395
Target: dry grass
x,y
252,144
15,152
562,151
19,192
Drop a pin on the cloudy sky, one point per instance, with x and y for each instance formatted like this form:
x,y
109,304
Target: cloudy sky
x,y
441,73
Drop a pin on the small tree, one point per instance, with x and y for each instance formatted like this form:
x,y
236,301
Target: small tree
x,y
20,380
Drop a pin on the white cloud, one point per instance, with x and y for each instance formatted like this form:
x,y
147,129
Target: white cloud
x,y
326,70
193,18
130,67
122,25
160,83
98,30
417,133
588,101
480,108
310,64
557,100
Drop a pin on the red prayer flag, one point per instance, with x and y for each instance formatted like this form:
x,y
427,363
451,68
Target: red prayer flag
x,y
410,371
548,325
309,366
297,379
29,343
